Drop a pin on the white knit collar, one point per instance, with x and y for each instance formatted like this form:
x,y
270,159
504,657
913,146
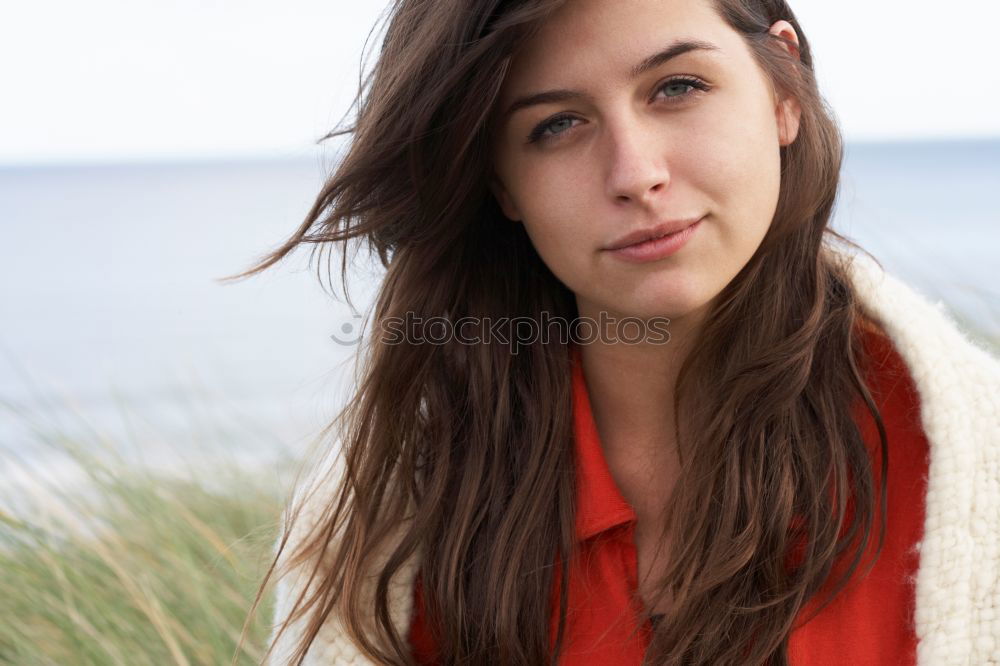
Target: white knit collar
x,y
958,581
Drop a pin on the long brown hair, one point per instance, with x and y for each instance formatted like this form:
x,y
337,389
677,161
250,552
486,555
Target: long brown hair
x,y
471,444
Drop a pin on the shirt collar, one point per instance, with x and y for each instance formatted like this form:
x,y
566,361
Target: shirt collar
x,y
599,503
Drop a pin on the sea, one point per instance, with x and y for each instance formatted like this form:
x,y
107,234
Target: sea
x,y
116,332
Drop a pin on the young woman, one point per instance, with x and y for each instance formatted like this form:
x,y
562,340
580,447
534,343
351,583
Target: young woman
x,y
753,447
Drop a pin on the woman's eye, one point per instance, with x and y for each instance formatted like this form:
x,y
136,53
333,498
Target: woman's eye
x,y
558,125
683,82
551,129
675,86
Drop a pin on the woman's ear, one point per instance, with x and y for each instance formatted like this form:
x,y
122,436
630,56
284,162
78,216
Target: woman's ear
x,y
788,114
504,199
788,111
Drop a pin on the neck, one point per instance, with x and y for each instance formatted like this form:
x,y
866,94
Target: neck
x,y
631,389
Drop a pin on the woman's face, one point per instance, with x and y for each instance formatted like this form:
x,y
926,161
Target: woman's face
x,y
626,143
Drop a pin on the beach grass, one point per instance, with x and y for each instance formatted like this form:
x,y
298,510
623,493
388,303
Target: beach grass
x,y
135,567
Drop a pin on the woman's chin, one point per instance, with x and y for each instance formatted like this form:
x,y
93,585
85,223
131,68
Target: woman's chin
x,y
675,306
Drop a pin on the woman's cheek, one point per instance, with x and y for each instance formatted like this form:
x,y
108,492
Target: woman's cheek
x,y
558,238
739,171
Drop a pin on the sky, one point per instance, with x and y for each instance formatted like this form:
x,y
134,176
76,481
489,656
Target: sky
x,y
138,80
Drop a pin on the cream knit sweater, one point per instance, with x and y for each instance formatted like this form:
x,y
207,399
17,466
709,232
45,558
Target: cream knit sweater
x,y
958,580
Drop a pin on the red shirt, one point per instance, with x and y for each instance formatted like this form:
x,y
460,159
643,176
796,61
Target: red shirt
x,y
870,622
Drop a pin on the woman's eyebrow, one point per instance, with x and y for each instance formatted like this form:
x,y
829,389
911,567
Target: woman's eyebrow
x,y
675,49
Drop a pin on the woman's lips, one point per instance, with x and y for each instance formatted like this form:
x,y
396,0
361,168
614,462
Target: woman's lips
x,y
657,248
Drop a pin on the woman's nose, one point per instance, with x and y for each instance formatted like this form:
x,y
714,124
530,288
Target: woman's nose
x,y
637,167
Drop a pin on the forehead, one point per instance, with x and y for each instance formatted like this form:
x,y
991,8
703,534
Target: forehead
x,y
586,39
